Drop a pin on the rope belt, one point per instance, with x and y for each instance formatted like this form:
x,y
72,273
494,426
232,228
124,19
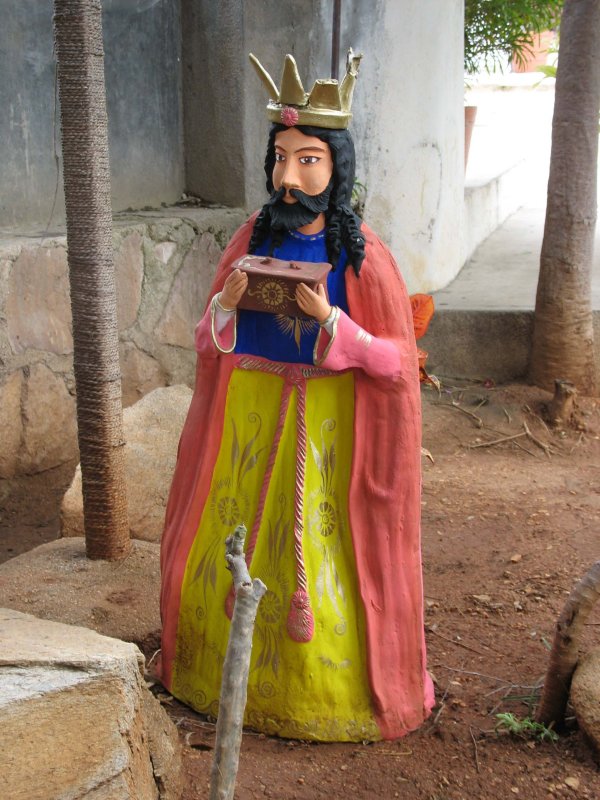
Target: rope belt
x,y
300,622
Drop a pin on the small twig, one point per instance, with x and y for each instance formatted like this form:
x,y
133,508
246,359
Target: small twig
x,y
434,721
577,443
453,641
475,749
481,675
528,409
497,441
478,420
499,703
498,689
518,444
371,753
545,447
154,654
508,416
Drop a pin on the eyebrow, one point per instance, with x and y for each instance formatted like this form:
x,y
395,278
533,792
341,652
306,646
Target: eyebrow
x,y
314,149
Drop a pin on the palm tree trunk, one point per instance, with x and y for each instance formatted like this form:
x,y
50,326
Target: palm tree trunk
x,y
80,59
565,647
563,344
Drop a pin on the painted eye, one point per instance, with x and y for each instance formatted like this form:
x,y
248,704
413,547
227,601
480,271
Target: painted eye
x,y
279,157
309,159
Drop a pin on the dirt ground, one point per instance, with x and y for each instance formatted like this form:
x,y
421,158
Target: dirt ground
x,y
508,528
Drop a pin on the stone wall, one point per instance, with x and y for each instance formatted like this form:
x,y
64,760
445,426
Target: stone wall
x,y
164,264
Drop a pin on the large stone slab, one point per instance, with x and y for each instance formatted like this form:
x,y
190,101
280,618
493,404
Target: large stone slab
x,y
140,373
129,276
48,417
152,430
189,293
76,720
11,424
38,308
585,695
56,581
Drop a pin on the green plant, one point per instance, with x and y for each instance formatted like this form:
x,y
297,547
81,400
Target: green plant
x,y
359,195
498,29
525,728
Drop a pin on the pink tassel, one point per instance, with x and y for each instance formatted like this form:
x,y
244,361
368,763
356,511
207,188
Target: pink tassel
x,y
230,602
300,621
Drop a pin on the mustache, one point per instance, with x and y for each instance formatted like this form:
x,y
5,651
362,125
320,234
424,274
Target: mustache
x,y
276,196
291,216
314,202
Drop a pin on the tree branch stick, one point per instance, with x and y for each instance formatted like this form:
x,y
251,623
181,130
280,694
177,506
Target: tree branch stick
x,y
248,594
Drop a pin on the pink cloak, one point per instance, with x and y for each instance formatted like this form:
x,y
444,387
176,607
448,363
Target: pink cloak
x,y
385,486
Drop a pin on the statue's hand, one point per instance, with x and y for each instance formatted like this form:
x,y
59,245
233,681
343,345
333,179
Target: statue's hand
x,y
233,289
314,304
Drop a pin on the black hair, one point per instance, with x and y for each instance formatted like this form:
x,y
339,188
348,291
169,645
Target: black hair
x,y
342,224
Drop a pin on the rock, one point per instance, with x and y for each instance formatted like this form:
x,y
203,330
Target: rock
x,y
76,719
115,598
189,293
164,250
152,430
585,695
49,426
129,276
38,308
11,426
140,373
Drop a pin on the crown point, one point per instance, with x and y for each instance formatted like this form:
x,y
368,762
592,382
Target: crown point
x,y
289,116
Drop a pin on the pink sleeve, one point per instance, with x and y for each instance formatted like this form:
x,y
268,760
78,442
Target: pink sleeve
x,y
351,346
210,342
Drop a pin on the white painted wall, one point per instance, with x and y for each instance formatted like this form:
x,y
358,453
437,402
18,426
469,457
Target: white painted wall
x,y
409,129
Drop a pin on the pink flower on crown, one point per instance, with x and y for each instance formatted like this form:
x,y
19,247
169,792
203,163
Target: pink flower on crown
x,y
289,116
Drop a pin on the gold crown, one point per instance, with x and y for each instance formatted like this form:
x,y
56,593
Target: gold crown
x,y
328,104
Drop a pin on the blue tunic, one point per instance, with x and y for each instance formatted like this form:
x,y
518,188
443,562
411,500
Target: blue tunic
x,y
290,339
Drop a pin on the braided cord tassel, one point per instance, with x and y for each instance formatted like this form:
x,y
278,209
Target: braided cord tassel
x,y
300,622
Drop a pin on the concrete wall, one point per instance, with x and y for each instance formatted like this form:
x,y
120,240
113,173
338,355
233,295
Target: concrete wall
x,y
142,66
409,128
225,124
408,122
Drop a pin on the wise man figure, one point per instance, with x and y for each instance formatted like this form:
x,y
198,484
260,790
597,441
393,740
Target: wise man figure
x,y
306,427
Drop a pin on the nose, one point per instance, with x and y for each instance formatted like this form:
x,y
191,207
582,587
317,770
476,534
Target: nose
x,y
290,178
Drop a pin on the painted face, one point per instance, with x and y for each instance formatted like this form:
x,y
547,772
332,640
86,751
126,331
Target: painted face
x,y
301,162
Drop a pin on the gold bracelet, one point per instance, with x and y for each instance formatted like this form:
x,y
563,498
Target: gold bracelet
x,y
218,302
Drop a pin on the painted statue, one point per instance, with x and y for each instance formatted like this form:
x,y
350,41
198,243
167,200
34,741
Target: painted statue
x,y
306,428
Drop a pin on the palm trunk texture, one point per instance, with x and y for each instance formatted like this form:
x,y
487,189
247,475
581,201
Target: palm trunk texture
x,y
80,61
565,647
563,342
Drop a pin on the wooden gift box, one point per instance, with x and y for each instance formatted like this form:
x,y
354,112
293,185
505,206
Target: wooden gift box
x,y
272,283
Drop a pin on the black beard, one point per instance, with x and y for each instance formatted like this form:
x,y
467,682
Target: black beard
x,y
291,216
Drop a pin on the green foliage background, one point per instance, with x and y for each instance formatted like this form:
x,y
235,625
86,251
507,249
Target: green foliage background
x,y
498,28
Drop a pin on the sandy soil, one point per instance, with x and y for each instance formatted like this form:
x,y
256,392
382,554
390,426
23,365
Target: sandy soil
x,y
507,531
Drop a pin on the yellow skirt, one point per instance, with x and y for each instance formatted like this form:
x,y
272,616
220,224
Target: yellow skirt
x,y
309,690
